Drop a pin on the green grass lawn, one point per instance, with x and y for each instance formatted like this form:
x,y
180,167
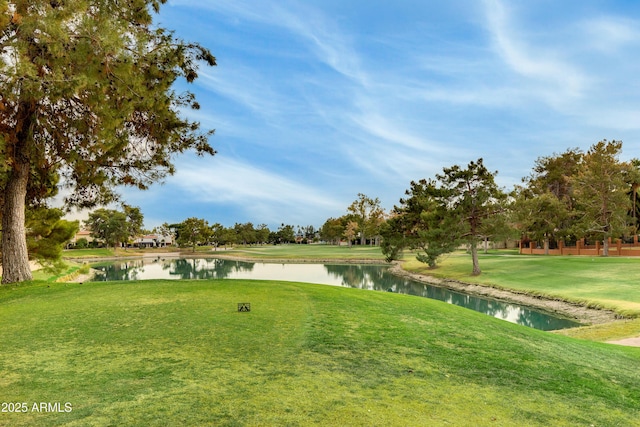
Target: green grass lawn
x,y
89,253
306,252
110,252
160,353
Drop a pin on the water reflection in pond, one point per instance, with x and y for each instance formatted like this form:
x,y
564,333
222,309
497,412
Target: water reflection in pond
x,y
362,276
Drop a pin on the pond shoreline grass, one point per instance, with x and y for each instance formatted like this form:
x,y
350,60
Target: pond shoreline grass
x,y
166,352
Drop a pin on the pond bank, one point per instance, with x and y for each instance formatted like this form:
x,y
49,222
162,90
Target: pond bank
x,y
581,313
575,311
607,324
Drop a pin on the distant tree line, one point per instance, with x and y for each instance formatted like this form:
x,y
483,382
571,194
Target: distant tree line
x,y
120,228
194,232
566,197
362,224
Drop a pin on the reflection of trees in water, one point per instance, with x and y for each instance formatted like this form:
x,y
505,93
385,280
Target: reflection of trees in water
x,y
350,275
538,320
126,270
364,276
182,268
207,268
378,278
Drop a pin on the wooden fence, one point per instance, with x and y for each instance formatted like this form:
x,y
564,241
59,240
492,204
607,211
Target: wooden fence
x,y
616,248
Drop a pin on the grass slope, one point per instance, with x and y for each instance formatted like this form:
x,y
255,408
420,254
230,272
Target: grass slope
x,y
161,353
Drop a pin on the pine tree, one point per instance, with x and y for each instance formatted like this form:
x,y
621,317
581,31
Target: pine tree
x,y
86,96
473,197
601,188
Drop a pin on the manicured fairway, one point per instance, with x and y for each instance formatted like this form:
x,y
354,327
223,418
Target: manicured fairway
x,y
162,353
307,252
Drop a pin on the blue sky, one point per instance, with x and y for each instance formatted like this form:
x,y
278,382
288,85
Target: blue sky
x,y
314,102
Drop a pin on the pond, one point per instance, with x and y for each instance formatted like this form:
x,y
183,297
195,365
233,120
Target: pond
x,y
361,276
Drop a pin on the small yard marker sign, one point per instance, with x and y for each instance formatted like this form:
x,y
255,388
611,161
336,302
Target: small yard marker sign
x,y
244,307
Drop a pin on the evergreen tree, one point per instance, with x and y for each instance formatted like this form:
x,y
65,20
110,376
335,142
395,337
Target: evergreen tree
x,y
286,234
217,234
422,222
135,220
47,233
458,207
545,206
472,198
633,181
262,233
86,96
541,216
601,190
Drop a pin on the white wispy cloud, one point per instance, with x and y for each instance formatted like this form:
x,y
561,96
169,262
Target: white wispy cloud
x,y
229,181
245,86
327,40
553,76
608,34
394,134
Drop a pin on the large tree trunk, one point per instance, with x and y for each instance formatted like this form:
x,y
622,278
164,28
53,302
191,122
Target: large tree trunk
x,y
474,258
546,244
635,206
15,258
